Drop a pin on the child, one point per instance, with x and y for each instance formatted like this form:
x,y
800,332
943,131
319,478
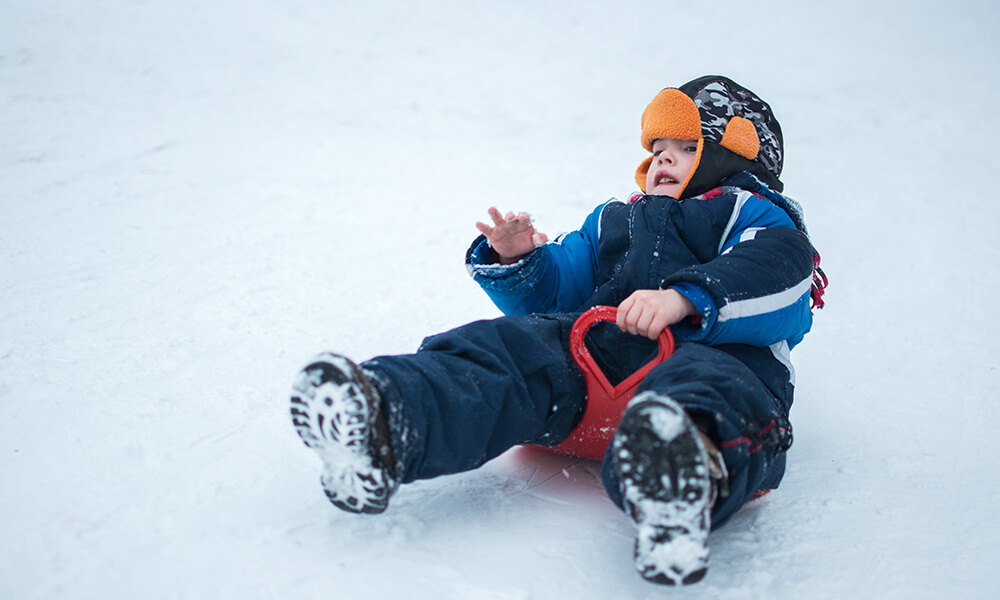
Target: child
x,y
711,250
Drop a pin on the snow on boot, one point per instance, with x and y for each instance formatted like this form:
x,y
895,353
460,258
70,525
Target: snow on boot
x,y
336,411
664,476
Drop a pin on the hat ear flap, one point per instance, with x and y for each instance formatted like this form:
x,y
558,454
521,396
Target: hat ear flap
x,y
694,168
741,138
641,172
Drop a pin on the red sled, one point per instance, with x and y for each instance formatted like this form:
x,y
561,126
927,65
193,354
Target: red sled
x,y
605,402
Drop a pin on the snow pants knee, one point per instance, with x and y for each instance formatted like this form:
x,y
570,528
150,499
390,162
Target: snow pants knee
x,y
730,404
469,394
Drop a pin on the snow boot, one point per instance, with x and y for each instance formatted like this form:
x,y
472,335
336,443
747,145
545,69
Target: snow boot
x,y
336,411
665,474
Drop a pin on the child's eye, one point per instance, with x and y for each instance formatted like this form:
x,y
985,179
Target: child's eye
x,y
691,149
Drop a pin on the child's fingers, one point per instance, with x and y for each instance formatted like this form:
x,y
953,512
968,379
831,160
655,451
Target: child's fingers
x,y
483,228
632,320
657,326
496,216
636,315
643,323
623,309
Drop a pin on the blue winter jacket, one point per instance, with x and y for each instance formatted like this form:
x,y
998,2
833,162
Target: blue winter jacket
x,y
734,251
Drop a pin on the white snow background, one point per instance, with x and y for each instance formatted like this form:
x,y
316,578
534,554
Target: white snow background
x,y
196,197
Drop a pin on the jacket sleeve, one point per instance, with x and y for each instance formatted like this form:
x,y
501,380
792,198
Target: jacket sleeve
x,y
557,277
757,290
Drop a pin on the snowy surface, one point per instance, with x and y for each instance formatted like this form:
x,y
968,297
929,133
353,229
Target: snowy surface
x,y
196,197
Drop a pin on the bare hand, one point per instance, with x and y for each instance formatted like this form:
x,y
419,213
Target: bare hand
x,y
649,312
512,236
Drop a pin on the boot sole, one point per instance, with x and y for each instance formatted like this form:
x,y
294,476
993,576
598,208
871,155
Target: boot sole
x,y
330,411
663,469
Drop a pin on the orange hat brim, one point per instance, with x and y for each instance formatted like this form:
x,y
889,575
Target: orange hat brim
x,y
672,115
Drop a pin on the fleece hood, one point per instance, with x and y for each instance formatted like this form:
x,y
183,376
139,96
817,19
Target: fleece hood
x,y
735,130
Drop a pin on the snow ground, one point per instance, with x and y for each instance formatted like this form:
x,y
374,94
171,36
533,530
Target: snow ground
x,y
197,197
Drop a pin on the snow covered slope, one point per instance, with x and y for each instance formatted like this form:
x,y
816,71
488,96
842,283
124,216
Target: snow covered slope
x,y
196,197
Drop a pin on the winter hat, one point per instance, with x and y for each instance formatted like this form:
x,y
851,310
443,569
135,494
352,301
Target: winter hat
x,y
735,130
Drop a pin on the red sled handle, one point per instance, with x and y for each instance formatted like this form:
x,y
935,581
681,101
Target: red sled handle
x,y
590,369
605,402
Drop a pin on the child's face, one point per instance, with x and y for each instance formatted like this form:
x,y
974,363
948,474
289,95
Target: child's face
x,y
672,162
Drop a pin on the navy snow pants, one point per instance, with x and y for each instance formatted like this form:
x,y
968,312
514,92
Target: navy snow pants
x,y
469,394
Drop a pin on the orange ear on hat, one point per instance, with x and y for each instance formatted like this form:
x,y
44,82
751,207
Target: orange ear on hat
x,y
741,138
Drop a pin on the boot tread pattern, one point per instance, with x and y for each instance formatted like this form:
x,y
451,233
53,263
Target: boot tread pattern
x,y
332,414
664,477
